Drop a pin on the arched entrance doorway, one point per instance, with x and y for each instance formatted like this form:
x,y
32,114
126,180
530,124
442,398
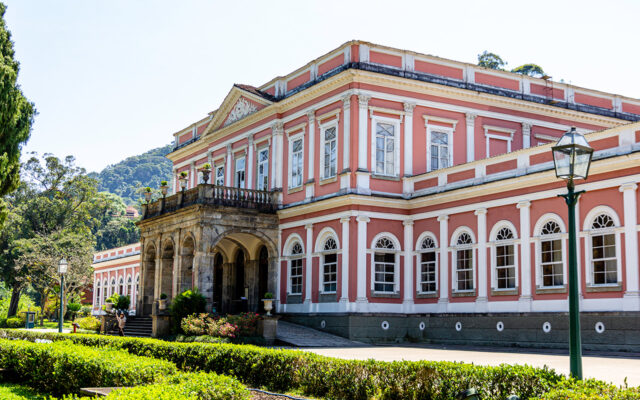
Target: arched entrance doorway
x,y
263,272
149,268
166,279
186,265
218,283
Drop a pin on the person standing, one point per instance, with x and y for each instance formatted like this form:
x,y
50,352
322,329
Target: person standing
x,y
122,320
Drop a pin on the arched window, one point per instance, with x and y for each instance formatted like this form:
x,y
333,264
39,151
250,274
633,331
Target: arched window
x,y
385,269
427,282
97,298
113,286
463,263
330,266
129,288
603,251
105,291
137,289
295,269
121,288
504,259
551,263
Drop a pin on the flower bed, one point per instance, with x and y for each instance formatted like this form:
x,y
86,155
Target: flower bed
x,y
286,370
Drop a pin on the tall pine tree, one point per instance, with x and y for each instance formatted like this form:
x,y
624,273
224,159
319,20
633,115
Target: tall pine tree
x,y
16,113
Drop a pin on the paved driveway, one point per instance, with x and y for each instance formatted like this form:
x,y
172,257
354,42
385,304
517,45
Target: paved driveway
x,y
608,368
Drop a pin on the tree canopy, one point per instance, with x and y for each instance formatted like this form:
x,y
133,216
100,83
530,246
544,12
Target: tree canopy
x,y
494,61
533,70
16,114
127,176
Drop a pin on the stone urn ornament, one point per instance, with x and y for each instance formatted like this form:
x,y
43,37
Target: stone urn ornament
x,y
183,180
162,303
164,188
268,303
108,306
147,194
206,170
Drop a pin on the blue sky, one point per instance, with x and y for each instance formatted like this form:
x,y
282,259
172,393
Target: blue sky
x,y
115,78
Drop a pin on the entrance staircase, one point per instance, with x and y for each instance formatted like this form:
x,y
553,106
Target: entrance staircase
x,y
135,326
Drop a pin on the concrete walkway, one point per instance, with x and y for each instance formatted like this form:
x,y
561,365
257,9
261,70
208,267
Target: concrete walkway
x,y
608,368
301,336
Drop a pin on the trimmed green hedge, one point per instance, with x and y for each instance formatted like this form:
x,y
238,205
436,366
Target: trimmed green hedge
x,y
186,386
284,370
63,367
590,389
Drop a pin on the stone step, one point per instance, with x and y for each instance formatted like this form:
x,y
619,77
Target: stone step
x,y
302,336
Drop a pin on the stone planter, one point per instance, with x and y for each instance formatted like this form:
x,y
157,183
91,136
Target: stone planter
x,y
268,328
162,304
108,307
205,175
268,306
164,190
147,196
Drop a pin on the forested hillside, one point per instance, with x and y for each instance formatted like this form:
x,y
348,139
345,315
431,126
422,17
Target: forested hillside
x,y
125,177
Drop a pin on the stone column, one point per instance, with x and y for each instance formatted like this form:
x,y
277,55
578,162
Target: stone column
x,y
407,302
174,182
193,174
443,301
309,264
408,138
250,164
277,153
526,135
362,174
278,272
309,184
346,136
344,296
481,302
631,299
471,129
525,256
361,296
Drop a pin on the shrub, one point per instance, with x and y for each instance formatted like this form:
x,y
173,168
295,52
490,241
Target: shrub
x,y
85,311
15,322
324,377
221,328
195,324
247,323
590,389
73,309
62,367
186,303
89,323
186,386
201,339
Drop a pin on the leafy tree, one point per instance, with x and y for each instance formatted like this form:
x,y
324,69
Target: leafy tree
x,y
491,60
50,210
127,176
16,115
112,228
533,70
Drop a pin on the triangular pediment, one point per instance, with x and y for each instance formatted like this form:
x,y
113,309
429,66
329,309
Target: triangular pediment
x,y
241,102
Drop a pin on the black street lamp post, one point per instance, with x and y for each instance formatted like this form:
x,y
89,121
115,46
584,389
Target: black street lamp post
x,y
62,269
572,158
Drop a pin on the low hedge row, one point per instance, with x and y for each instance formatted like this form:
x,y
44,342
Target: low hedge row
x,y
63,367
283,370
590,389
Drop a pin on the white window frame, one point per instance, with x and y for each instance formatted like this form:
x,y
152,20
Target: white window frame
x,y
218,168
288,248
323,142
236,171
539,238
324,235
122,287
454,258
292,139
105,290
265,164
98,286
397,251
114,286
440,129
419,251
588,233
396,136
494,243
136,290
128,283
488,136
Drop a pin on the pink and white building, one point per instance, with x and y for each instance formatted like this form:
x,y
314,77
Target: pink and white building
x,y
417,198
116,271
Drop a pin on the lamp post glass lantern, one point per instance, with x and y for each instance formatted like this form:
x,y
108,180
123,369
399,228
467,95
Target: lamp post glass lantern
x,y
62,269
572,159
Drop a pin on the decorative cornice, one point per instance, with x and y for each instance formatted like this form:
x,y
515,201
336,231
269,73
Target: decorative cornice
x,y
363,218
523,204
277,128
442,218
408,107
311,115
407,222
346,101
628,186
363,100
308,226
345,220
480,211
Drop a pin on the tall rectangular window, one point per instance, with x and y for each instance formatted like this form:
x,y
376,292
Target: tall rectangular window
x,y
296,276
240,170
605,269
219,178
428,272
464,269
551,261
330,273
330,151
263,170
385,269
505,267
439,150
297,161
385,149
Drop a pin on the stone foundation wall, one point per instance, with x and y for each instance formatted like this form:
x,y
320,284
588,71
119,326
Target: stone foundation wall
x,y
538,330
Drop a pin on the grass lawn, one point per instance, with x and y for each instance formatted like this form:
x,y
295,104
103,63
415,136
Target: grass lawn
x,y
10,391
52,325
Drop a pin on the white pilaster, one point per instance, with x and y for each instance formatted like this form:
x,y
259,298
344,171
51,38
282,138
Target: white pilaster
x,y
363,122
346,134
361,296
471,130
309,186
277,158
481,302
526,273
279,273
229,167
408,138
631,300
526,135
407,302
250,164
193,174
443,301
174,182
309,265
344,297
